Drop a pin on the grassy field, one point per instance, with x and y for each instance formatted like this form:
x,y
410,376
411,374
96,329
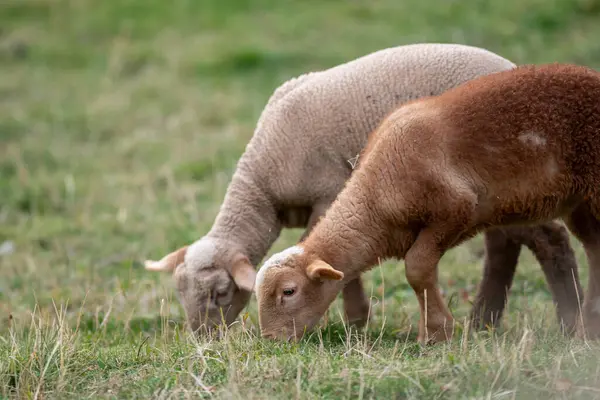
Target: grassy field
x,y
120,126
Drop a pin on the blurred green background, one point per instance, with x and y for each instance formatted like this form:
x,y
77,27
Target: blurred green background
x,y
120,126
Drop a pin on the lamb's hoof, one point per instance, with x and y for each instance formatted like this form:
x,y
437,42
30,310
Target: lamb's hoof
x,y
570,329
591,331
435,336
358,316
480,324
358,323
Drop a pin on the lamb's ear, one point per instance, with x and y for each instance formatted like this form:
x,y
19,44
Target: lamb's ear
x,y
319,269
167,263
243,273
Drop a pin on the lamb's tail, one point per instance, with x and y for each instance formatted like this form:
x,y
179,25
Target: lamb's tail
x,y
169,262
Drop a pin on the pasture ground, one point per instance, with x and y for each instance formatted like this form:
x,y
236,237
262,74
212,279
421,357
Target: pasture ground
x,y
120,126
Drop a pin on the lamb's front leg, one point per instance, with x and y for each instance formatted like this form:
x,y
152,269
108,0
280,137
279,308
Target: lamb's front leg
x,y
356,303
421,262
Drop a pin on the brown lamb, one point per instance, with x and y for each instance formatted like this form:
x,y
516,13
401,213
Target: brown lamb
x,y
513,148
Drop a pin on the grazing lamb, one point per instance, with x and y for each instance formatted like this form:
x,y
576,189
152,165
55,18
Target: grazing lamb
x,y
298,160
513,148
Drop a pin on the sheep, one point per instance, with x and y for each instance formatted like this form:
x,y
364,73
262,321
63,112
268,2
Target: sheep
x,y
513,148
302,152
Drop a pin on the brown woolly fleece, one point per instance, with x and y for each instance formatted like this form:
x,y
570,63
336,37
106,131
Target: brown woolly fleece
x,y
303,151
514,148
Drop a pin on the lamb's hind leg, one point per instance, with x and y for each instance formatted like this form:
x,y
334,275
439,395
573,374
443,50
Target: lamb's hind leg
x,y
549,242
501,257
584,222
356,303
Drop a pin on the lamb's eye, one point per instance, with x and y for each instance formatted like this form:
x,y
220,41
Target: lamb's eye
x,y
288,292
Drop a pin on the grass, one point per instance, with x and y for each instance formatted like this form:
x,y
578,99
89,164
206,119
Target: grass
x,y
120,126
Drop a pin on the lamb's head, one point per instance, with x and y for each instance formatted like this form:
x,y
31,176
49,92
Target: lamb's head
x,y
294,289
214,281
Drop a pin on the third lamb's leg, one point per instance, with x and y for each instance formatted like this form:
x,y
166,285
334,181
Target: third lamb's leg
x,y
501,257
356,303
550,244
421,261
